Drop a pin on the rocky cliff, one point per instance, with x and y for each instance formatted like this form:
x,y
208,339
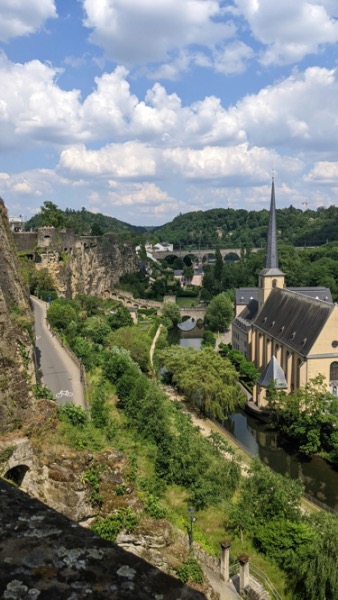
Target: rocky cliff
x,y
79,264
16,335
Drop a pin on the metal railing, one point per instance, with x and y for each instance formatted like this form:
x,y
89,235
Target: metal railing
x,y
258,576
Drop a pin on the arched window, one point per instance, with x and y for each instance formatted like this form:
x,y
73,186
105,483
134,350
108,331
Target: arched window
x,y
334,371
274,283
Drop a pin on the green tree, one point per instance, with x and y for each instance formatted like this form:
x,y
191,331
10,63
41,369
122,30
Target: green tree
x,y
136,341
206,379
119,317
219,313
315,577
52,216
171,314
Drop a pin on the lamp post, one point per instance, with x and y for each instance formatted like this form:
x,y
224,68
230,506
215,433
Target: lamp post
x,y
192,520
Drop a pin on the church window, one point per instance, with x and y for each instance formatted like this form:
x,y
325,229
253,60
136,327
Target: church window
x,y
274,283
334,371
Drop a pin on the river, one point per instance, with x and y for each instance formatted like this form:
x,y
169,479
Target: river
x,y
320,480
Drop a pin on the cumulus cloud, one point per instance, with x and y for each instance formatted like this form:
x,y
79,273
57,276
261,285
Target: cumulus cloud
x,y
297,113
127,160
290,29
24,17
324,172
141,31
33,106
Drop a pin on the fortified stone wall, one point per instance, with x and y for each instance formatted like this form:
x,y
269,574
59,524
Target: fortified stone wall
x,y
80,264
15,334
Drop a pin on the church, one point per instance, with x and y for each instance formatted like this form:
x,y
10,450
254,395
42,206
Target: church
x,y
290,334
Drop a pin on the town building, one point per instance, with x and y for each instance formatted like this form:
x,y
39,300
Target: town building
x,y
291,334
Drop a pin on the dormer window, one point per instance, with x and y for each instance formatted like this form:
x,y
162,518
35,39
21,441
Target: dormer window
x,y
293,335
272,324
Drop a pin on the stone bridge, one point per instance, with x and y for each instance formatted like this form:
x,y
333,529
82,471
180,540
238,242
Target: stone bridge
x,y
201,255
197,313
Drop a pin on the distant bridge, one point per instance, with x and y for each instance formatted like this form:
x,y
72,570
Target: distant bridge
x,y
202,254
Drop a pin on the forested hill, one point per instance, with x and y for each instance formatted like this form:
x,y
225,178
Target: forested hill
x,y
234,228
81,222
229,228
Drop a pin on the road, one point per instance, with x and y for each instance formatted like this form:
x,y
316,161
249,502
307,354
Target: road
x,y
58,371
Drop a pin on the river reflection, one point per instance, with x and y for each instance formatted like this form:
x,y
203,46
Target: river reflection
x,y
319,478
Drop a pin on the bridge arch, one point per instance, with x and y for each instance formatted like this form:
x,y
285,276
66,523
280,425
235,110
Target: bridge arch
x,y
209,257
17,474
190,259
231,257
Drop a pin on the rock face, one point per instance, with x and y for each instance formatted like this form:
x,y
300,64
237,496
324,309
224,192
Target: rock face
x,y
16,327
79,264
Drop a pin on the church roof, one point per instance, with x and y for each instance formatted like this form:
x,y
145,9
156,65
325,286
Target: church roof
x,y
244,295
293,319
273,374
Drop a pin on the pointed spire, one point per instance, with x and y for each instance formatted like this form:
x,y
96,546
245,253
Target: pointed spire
x,y
271,246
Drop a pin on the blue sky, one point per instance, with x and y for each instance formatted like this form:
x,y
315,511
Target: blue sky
x,y
144,109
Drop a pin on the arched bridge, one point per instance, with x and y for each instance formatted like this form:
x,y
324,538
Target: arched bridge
x,y
201,255
197,313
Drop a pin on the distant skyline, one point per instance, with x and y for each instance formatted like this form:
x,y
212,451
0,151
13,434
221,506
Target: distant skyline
x,y
144,109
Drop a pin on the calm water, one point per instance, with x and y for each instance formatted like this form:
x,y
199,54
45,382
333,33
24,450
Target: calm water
x,y
319,478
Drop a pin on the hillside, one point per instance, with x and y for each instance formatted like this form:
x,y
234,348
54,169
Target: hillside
x,y
234,228
82,222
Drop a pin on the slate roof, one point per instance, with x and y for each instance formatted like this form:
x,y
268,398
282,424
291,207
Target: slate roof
x,y
293,319
248,313
273,373
271,261
243,295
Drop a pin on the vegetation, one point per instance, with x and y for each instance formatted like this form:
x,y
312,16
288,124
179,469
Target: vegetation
x,y
205,378
190,570
171,315
309,417
171,466
247,371
81,221
219,313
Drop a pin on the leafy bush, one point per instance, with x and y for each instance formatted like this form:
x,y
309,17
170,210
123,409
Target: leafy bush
x,y
75,415
153,507
42,391
190,570
110,527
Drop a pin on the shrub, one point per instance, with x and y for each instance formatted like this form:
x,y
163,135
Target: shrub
x,y
75,415
110,527
190,570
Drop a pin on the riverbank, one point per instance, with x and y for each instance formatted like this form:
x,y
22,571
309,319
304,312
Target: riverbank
x,y
207,427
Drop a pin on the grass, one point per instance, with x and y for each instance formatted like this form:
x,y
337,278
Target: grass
x,y
186,301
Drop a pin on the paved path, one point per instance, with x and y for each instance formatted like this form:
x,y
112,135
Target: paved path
x,y
57,369
153,345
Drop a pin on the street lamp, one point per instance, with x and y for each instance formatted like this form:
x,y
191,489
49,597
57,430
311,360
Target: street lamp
x,y
192,520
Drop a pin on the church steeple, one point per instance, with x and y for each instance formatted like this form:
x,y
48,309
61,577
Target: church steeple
x,y
271,276
271,261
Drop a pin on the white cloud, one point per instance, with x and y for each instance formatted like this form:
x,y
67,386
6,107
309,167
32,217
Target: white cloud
x,y
233,58
24,17
33,107
324,172
127,160
298,113
290,29
141,31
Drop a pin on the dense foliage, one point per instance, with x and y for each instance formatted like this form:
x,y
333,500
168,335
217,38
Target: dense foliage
x,y
241,228
205,378
81,221
309,417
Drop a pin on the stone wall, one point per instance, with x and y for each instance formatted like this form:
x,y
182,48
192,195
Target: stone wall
x,y
79,264
16,329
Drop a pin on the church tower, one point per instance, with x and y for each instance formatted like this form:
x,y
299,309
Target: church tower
x,y
271,276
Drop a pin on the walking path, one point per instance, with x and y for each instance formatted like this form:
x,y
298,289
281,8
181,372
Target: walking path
x,y
153,345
